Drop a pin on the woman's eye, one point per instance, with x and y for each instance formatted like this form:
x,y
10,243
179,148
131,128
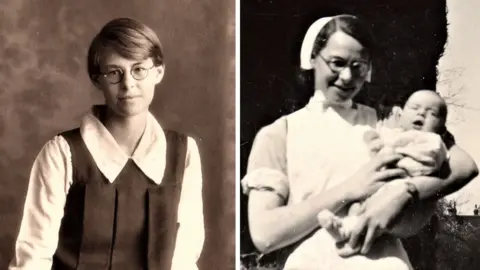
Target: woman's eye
x,y
338,63
139,69
113,73
360,66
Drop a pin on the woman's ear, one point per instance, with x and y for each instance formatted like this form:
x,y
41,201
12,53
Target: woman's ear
x,y
96,82
160,73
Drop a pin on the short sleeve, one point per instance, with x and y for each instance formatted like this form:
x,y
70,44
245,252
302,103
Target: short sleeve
x,y
267,161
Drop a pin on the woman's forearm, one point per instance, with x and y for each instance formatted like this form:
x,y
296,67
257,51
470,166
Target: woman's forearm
x,y
457,172
415,216
413,219
273,226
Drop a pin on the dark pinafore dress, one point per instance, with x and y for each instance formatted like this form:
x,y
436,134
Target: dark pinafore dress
x,y
129,224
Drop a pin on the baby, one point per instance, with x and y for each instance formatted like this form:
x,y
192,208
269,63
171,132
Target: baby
x,y
417,139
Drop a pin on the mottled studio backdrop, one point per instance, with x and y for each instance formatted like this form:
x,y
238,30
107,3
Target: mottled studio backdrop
x,y
44,89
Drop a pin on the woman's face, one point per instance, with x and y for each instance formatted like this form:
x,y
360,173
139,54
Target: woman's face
x,y
130,96
341,67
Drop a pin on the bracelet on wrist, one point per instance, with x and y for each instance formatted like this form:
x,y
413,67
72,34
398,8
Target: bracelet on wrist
x,y
412,191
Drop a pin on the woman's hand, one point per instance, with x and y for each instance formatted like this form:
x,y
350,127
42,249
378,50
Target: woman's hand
x,y
379,213
373,175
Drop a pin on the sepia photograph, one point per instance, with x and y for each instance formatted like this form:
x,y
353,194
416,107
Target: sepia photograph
x,y
117,129
358,135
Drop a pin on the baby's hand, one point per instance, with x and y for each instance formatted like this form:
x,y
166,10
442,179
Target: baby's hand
x,y
373,141
370,135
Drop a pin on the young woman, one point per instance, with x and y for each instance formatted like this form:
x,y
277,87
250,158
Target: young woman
x,y
314,159
119,192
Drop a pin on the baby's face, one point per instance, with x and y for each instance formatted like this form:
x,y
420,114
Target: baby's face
x,y
424,111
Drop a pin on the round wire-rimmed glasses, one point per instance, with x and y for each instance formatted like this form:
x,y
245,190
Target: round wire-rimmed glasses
x,y
338,65
115,76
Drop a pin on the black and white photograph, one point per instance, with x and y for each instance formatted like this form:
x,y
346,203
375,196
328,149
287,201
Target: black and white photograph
x,y
358,135
117,123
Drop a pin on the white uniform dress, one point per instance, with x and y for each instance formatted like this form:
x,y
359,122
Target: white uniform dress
x,y
308,152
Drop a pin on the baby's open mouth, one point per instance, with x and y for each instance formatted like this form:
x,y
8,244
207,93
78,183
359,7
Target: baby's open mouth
x,y
418,124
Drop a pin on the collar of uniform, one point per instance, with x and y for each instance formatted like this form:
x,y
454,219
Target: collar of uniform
x,y
149,155
318,100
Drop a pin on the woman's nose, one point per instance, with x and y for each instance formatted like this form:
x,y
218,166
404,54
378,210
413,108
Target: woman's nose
x,y
127,81
345,74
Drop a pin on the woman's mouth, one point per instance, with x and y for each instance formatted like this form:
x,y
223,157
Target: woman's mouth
x,y
344,92
127,97
345,89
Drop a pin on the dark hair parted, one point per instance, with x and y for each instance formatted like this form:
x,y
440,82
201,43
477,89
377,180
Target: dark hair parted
x,y
351,26
129,38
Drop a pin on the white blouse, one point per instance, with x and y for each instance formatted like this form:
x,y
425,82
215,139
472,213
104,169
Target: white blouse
x,y
51,178
308,152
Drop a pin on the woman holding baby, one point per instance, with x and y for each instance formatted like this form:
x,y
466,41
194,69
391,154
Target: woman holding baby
x,y
315,160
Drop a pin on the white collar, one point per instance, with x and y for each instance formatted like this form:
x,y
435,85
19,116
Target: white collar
x,y
149,155
318,99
